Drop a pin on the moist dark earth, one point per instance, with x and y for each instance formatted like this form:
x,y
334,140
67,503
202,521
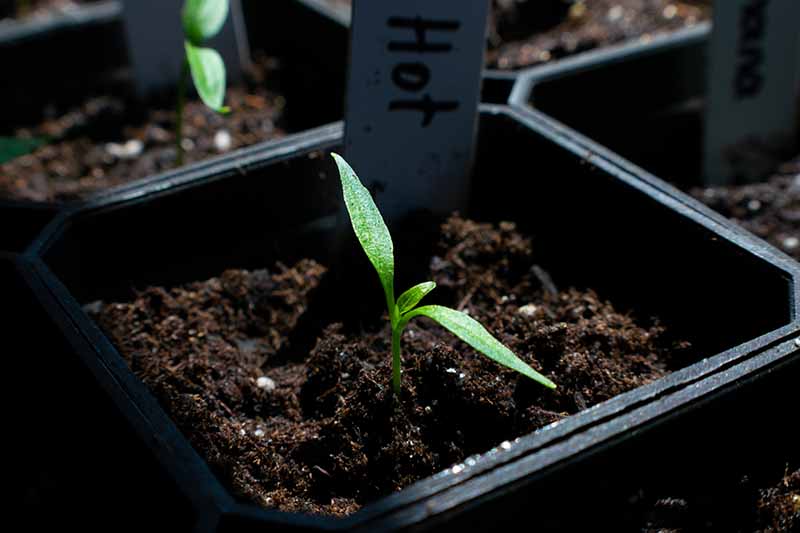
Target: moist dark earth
x,y
111,140
770,209
523,33
766,509
25,9
318,430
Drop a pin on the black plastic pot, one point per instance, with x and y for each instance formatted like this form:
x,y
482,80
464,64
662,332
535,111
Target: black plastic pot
x,y
595,225
75,40
71,458
328,29
713,446
52,60
21,222
328,24
643,102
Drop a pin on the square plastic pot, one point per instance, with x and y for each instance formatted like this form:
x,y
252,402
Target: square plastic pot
x,y
596,225
72,458
739,434
54,57
69,48
328,30
45,61
643,102
328,24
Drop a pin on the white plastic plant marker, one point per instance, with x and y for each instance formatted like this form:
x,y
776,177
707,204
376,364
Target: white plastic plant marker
x,y
412,100
752,96
155,37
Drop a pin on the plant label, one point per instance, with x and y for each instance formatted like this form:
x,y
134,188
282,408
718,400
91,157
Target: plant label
x,y
412,101
154,33
752,104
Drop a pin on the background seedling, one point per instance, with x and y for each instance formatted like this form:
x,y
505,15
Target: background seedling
x,y
202,20
372,233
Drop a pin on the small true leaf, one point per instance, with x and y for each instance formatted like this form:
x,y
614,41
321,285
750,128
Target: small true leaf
x,y
202,19
473,333
412,296
369,227
208,74
14,147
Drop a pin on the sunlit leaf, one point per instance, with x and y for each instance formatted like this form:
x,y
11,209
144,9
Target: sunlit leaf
x,y
473,333
203,19
369,227
208,74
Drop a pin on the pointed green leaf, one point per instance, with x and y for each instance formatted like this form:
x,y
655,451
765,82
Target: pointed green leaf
x,y
412,296
369,227
473,333
202,19
208,74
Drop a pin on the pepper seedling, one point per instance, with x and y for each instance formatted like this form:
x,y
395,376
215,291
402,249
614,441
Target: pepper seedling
x,y
202,20
375,239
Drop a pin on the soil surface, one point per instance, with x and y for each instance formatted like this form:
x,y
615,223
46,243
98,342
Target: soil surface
x,y
24,9
523,33
319,431
770,210
775,509
109,140
583,26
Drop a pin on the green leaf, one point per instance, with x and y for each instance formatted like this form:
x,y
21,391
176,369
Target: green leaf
x,y
208,74
369,227
202,19
14,147
412,296
473,333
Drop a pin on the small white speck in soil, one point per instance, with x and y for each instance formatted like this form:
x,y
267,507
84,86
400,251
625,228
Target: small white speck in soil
x,y
265,383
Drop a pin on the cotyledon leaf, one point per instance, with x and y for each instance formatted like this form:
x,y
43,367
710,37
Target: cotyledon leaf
x,y
208,74
202,19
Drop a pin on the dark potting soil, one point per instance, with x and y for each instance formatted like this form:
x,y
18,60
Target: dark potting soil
x,y
770,210
109,140
515,42
319,431
28,9
523,33
752,509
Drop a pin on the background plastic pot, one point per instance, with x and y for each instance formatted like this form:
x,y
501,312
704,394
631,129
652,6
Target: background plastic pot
x,y
634,100
596,226
311,76
51,61
89,67
327,38
54,58
329,20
